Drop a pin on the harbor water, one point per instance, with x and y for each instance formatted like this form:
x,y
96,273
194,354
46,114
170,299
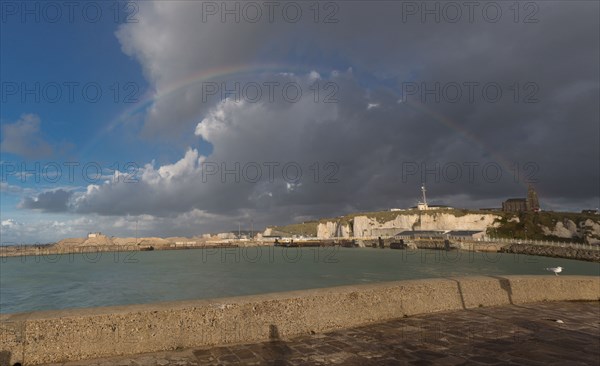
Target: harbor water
x,y
117,278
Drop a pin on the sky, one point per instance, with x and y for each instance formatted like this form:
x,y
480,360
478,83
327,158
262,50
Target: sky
x,y
191,117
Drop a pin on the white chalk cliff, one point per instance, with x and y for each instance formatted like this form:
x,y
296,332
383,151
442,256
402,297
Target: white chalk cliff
x,y
362,226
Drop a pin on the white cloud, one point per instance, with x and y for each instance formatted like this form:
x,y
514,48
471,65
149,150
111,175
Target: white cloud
x,y
176,49
9,188
34,231
9,224
24,138
313,76
249,135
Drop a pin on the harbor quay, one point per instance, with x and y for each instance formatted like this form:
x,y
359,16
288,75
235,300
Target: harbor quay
x,y
75,335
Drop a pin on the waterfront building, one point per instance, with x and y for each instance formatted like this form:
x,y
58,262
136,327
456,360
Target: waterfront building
x,y
422,234
442,234
465,234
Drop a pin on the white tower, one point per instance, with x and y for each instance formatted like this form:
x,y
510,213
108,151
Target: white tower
x,y
423,204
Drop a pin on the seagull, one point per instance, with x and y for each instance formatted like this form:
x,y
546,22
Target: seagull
x,y
556,270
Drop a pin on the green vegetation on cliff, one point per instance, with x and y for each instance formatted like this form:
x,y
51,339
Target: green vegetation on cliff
x,y
530,225
307,228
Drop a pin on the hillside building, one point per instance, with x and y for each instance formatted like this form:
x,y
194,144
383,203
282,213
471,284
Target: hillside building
x,y
514,205
529,204
533,204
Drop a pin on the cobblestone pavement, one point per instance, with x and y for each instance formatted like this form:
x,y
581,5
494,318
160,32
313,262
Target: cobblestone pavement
x,y
510,335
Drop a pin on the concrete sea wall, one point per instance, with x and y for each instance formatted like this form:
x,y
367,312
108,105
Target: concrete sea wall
x,y
76,334
557,252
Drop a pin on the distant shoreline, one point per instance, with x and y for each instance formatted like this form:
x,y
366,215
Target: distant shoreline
x,y
512,248
53,249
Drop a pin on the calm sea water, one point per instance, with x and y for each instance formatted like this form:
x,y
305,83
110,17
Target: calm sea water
x,y
100,279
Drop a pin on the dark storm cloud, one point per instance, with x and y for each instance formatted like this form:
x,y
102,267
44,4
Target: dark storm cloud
x,y
547,134
51,201
556,58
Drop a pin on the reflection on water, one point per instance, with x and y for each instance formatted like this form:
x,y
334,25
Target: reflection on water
x,y
100,279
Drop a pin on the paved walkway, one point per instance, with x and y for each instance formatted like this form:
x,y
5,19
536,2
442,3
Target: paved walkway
x,y
510,335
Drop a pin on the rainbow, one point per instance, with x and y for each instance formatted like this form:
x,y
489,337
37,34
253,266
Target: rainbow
x,y
504,164
137,109
152,96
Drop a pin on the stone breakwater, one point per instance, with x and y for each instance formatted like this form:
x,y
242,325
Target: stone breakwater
x,y
497,247
68,335
551,251
53,250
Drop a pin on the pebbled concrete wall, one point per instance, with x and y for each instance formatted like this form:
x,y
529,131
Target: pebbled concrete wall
x,y
76,334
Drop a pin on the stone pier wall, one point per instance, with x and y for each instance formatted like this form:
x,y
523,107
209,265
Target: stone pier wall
x,y
557,252
65,335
